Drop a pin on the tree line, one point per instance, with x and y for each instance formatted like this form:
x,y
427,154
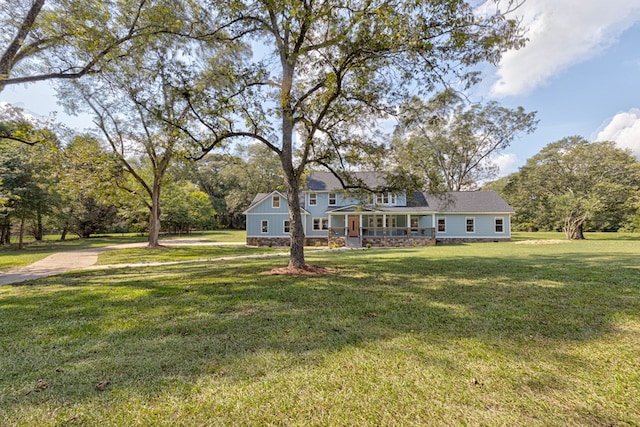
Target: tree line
x,y
312,82
71,183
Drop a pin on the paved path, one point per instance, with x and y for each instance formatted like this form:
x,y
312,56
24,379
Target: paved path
x,y
84,259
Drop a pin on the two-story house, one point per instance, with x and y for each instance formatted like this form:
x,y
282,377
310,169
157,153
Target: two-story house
x,y
333,216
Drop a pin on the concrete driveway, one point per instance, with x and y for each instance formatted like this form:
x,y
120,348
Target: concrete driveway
x,y
83,259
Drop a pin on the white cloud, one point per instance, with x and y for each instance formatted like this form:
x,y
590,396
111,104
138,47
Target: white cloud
x,y
507,163
624,129
561,34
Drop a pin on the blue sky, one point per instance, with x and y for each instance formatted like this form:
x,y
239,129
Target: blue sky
x,y
580,71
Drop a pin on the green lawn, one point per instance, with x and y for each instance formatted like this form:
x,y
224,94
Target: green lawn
x,y
10,257
478,334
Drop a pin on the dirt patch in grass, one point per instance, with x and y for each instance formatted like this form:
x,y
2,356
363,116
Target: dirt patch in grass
x,y
542,242
308,270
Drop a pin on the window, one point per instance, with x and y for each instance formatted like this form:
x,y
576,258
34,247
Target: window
x,y
415,222
392,222
471,225
286,226
499,225
313,199
275,201
265,226
385,199
320,223
332,199
442,225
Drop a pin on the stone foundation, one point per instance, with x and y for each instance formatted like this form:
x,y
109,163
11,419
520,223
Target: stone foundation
x,y
284,241
268,241
401,242
458,241
337,242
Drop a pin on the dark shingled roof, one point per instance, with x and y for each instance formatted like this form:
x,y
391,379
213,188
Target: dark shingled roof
x,y
468,201
326,181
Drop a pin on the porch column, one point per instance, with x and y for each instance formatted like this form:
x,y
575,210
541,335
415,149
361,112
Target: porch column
x,y
384,225
346,225
360,225
408,225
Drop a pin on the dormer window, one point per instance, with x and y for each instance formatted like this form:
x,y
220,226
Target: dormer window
x,y
385,199
313,199
275,201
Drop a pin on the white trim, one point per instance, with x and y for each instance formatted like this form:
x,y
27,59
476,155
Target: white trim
x,y
315,201
269,213
437,225
335,199
273,199
284,231
322,220
495,218
262,226
259,202
466,225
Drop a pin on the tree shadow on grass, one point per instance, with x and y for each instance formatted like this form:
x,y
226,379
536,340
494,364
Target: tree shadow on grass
x,y
152,328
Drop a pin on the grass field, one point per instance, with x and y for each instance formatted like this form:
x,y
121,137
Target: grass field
x,y
10,257
477,334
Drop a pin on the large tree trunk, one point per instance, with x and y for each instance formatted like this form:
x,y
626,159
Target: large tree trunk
x,y
154,217
292,175
296,235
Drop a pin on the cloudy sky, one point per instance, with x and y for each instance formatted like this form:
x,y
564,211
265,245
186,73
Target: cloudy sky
x,y
580,71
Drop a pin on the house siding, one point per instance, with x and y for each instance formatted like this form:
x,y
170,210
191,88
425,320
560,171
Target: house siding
x,y
428,209
484,226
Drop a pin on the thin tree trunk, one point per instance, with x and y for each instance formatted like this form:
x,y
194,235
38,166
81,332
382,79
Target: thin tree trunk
x,y
21,238
154,217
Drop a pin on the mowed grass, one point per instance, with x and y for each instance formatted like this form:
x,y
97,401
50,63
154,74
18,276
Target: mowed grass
x,y
180,253
11,257
479,334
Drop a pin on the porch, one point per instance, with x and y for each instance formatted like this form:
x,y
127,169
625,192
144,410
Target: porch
x,y
381,230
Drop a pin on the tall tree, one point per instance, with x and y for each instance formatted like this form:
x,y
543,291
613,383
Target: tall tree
x,y
450,143
570,182
331,69
67,39
136,100
87,187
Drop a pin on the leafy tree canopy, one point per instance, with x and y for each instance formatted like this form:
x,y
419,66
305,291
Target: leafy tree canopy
x,y
573,181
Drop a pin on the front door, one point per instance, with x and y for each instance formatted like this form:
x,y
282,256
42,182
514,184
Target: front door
x,y
353,226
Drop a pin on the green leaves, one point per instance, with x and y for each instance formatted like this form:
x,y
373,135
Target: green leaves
x,y
574,183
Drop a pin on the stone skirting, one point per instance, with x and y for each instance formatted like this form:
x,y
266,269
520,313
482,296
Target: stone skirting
x,y
379,242
284,241
399,242
337,242
472,240
268,241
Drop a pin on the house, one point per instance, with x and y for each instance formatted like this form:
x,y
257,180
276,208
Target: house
x,y
333,216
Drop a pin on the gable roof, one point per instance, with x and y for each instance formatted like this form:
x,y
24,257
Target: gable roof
x,y
467,202
326,181
260,197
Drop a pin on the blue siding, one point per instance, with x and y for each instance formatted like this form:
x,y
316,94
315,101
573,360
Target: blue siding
x,y
456,226
275,221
